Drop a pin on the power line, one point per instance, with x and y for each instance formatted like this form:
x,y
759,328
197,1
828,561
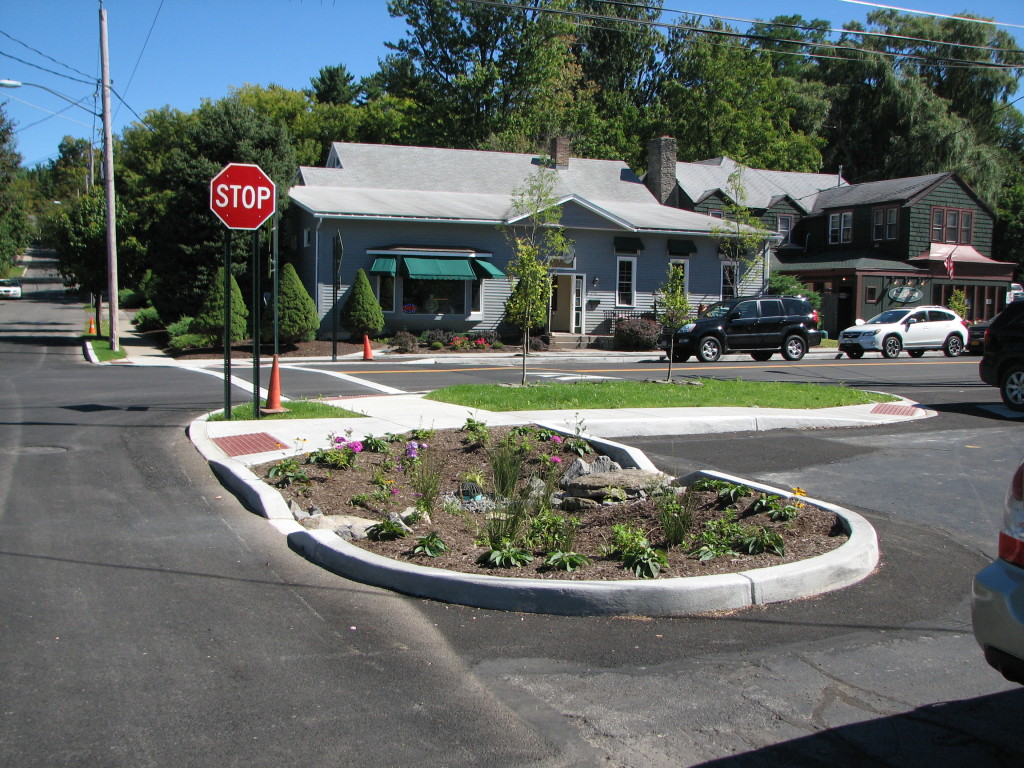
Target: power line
x,y
143,51
933,60
45,56
932,13
44,69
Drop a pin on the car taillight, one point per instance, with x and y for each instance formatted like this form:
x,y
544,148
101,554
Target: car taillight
x,y
815,315
1011,538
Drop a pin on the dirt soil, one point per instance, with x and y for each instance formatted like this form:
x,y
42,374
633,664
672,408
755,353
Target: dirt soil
x,y
813,532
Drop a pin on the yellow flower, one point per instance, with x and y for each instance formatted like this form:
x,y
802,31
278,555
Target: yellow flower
x,y
799,492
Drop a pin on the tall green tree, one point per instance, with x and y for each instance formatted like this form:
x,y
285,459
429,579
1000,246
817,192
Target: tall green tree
x,y
535,238
334,85
741,238
14,225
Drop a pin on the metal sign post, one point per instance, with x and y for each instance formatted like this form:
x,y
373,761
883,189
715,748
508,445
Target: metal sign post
x,y
227,325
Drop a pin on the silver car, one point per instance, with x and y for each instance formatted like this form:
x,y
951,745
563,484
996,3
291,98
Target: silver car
x,y
997,605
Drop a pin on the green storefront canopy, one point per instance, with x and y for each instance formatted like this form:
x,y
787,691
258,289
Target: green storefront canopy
x,y
629,244
384,267
486,270
437,269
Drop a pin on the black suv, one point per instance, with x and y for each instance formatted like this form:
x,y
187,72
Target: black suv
x,y
760,325
1002,362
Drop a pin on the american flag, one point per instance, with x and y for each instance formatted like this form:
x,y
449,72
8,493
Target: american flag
x,y
949,265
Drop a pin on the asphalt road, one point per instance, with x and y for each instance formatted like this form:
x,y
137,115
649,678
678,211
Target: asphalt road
x,y
149,619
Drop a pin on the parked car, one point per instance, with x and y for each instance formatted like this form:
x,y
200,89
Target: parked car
x,y
1002,361
916,329
976,337
998,592
10,288
761,325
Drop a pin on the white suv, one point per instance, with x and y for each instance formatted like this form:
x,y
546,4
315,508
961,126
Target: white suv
x,y
916,329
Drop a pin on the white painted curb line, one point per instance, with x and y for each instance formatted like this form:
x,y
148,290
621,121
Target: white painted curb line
x,y
846,565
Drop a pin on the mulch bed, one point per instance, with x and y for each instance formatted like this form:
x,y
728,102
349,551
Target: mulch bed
x,y
813,532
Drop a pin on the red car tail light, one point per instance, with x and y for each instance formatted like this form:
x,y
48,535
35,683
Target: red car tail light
x,y
815,316
1011,537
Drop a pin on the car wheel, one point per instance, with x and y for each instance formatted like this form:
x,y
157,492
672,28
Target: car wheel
x,y
680,357
915,352
794,347
954,346
761,356
1011,387
891,346
855,354
709,349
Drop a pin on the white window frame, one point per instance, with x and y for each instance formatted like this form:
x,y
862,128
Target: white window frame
x,y
786,233
840,227
619,260
735,287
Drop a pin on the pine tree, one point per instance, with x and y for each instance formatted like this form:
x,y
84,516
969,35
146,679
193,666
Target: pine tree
x,y
210,320
297,319
361,313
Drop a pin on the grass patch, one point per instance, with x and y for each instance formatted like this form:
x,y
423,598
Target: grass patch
x,y
101,348
297,409
829,343
643,394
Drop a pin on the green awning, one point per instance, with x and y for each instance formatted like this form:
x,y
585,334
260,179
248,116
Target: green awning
x,y
437,269
681,247
486,270
384,267
629,244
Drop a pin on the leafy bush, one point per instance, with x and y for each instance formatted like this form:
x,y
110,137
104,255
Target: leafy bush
x,y
288,471
361,313
676,517
180,327
566,561
147,319
210,320
430,545
386,530
188,341
788,285
505,555
637,333
129,299
404,341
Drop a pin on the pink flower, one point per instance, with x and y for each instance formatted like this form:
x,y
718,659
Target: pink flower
x,y
556,439
555,460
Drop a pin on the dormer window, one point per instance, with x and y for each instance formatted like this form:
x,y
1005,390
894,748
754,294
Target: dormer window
x,y
952,225
840,227
883,223
784,226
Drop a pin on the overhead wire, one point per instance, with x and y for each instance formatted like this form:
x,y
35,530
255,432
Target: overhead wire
x,y
40,53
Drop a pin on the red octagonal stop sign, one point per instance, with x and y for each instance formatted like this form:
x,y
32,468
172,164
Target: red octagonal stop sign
x,y
242,196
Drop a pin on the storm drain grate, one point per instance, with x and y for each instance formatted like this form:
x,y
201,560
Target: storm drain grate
x,y
242,445
888,409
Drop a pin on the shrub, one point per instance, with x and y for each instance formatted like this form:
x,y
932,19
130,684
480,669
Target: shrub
x,y
637,333
361,314
147,319
404,342
210,320
129,299
297,319
435,336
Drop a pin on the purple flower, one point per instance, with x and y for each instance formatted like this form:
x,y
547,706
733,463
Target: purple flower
x,y
555,460
355,446
556,439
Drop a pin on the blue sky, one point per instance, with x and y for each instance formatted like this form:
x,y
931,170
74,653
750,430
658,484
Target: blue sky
x,y
178,52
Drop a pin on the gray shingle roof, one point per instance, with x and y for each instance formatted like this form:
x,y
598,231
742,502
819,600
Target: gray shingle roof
x,y
373,180
887,191
762,187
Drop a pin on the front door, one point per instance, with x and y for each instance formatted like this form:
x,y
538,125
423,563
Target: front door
x,y
567,303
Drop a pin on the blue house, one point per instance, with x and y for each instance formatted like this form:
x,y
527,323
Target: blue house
x,y
425,224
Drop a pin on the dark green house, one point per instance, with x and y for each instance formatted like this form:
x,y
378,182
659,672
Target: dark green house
x,y
864,247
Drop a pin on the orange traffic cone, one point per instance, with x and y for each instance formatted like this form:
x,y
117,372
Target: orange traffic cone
x,y
92,327
367,349
274,392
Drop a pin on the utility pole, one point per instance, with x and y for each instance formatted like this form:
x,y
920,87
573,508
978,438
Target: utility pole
x,y
108,172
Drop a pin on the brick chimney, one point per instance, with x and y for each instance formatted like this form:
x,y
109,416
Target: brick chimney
x,y
661,169
560,148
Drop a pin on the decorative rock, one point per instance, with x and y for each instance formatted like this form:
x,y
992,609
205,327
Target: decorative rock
x,y
297,512
396,518
578,504
415,514
632,481
603,464
535,487
577,469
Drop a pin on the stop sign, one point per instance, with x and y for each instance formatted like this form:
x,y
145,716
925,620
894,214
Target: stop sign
x,y
242,196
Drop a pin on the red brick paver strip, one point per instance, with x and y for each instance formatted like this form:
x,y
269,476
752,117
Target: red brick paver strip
x,y
888,409
242,445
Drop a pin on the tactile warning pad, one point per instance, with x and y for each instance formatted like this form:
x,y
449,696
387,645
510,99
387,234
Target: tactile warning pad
x,y
888,409
242,445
